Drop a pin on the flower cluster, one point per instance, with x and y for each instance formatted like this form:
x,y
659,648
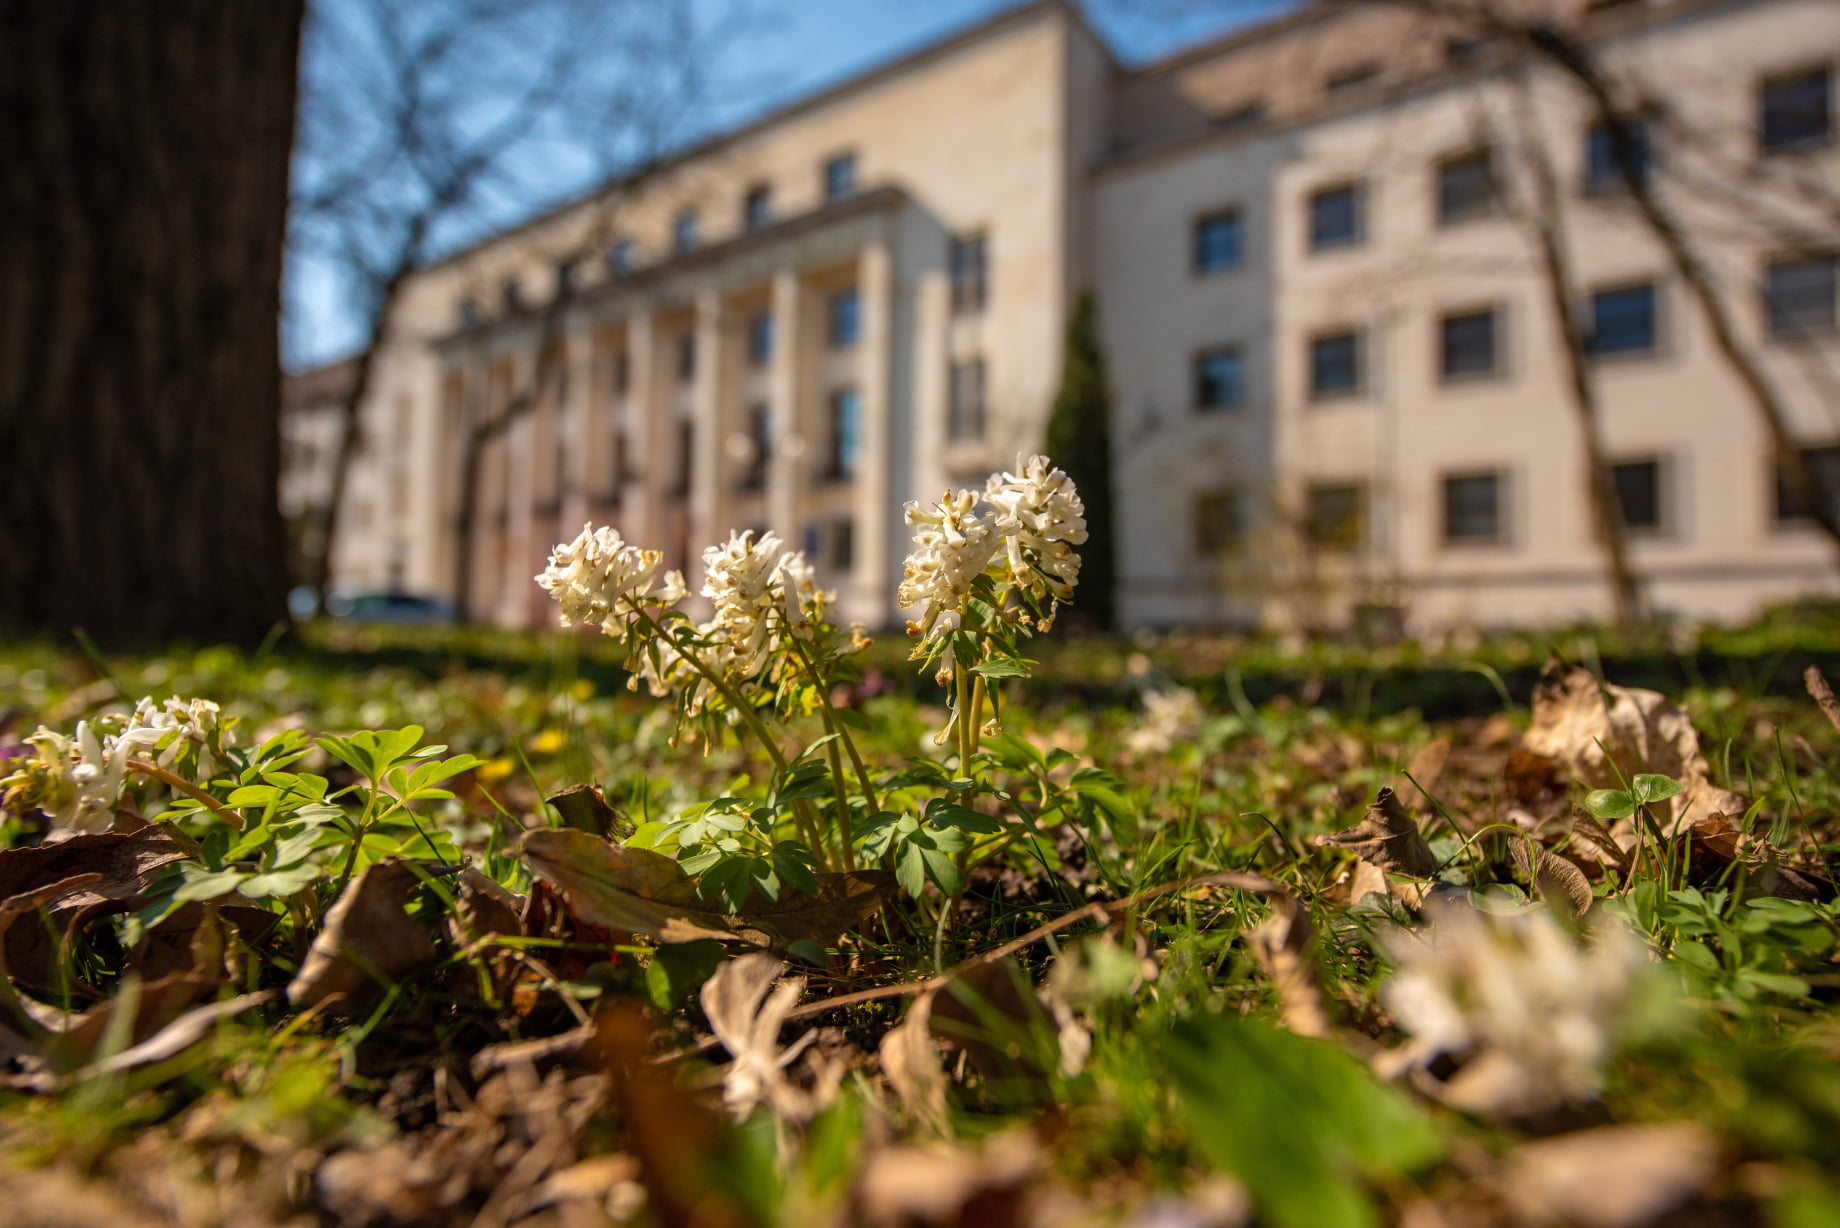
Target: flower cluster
x,y
1171,718
1041,519
184,727
1533,1014
953,543
591,576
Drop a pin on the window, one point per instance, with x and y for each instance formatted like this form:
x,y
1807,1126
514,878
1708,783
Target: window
x,y
686,458
513,293
683,231
1336,516
760,339
1240,117
1335,217
565,277
1353,78
1335,365
839,177
686,356
1799,296
1472,508
1219,379
965,412
760,437
622,464
1824,469
1638,491
1797,111
970,279
1219,521
1623,321
620,257
846,433
469,313
1460,51
1468,344
842,554
1602,174
1466,188
1217,242
845,319
757,207
621,375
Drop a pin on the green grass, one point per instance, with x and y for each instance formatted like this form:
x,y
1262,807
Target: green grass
x,y
1193,1076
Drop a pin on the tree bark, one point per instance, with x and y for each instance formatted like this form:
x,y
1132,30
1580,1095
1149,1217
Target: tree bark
x,y
142,216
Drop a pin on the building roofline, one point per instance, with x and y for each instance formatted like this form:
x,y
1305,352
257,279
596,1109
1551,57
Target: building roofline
x,y
875,74
874,200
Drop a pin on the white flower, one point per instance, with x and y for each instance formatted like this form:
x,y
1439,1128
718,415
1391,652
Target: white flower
x,y
184,724
591,575
1171,718
78,791
1533,1014
804,601
1041,519
740,579
953,544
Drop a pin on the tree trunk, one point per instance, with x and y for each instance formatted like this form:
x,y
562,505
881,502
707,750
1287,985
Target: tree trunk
x,y
141,226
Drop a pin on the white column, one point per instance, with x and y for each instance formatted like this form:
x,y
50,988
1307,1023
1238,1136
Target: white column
x,y
873,581
510,599
649,434
708,524
582,428
932,369
786,392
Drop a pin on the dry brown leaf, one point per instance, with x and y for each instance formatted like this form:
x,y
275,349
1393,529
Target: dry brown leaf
x,y
1426,766
947,1185
1557,881
991,1013
1575,720
486,907
747,1022
1369,879
1285,946
841,903
367,935
1609,853
624,888
1388,836
585,808
1611,1177
911,1064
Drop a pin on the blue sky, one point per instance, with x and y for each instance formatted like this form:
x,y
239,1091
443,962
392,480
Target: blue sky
x,y
792,48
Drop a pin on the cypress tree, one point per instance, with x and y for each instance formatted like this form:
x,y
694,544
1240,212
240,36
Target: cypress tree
x,y
1080,442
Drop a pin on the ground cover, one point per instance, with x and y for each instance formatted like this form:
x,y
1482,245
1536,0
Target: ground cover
x,y
1190,931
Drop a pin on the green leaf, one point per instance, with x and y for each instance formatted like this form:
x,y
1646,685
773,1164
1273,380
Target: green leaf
x,y
1652,788
948,814
1610,804
679,970
796,866
202,884
1003,667
279,882
1296,1119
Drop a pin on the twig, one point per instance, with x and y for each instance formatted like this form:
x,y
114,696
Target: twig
x,y
1816,683
182,785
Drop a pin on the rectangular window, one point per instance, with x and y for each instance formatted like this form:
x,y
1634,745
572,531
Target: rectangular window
x,y
1219,521
1824,466
969,260
1466,188
1217,242
845,319
1602,174
1623,321
1464,51
686,458
1797,111
1337,516
512,292
686,356
1219,378
622,463
1799,296
760,339
1472,508
469,313
565,278
1468,343
1353,79
621,374
846,433
839,177
1638,491
1335,365
1336,217
965,411
683,231
757,207
620,257
842,554
760,437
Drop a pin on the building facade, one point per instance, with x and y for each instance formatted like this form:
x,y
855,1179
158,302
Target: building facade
x,y
1338,383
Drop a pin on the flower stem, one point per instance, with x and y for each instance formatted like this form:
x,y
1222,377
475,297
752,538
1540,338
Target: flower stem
x,y
833,725
182,785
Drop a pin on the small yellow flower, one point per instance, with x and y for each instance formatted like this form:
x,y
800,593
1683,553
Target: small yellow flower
x,y
496,770
549,742
583,690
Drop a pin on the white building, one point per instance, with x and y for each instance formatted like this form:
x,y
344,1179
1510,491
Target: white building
x,y
1336,376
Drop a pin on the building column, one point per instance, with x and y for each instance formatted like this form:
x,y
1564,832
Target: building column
x,y
932,371
873,580
787,467
648,434
509,597
581,425
708,511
